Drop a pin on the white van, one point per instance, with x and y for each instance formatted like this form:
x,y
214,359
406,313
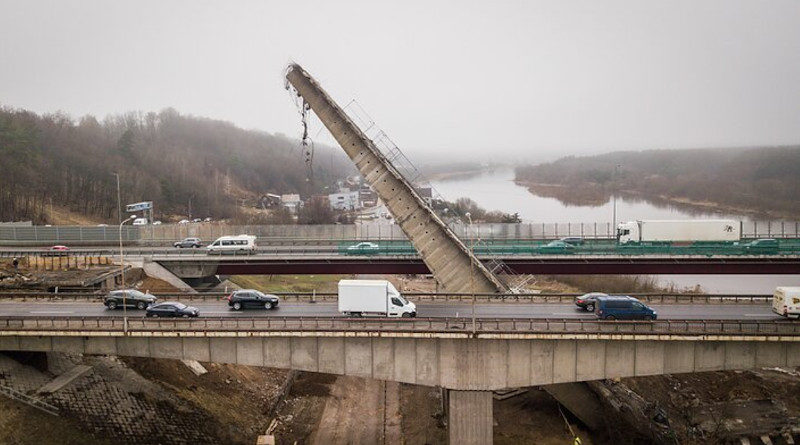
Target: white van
x,y
140,222
786,302
373,297
233,244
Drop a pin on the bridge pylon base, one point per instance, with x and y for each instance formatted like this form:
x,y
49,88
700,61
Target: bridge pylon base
x,y
469,417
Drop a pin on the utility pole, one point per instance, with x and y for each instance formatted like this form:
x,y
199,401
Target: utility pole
x,y
614,198
119,200
122,277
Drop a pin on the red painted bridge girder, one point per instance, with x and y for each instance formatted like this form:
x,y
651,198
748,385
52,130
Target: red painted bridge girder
x,y
540,266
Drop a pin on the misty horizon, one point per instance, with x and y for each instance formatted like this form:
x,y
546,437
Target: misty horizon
x,y
522,82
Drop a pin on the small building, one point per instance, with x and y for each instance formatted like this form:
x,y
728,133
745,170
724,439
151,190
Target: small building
x,y
270,200
292,202
345,201
426,193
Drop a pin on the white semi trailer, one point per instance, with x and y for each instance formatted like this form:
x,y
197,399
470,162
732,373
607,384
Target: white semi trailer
x,y
373,297
679,231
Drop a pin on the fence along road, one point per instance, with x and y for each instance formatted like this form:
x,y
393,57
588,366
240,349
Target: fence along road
x,y
168,233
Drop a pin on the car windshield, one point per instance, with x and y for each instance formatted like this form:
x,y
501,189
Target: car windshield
x,y
136,293
179,305
259,293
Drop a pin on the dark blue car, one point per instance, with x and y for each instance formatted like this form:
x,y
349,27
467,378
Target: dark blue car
x,y
623,308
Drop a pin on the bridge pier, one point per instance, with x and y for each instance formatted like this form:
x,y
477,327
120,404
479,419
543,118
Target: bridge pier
x,y
470,418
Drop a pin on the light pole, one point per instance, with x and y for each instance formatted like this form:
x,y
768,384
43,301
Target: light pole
x,y
122,277
471,273
614,198
119,199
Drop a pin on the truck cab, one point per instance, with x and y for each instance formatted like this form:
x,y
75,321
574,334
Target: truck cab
x,y
627,232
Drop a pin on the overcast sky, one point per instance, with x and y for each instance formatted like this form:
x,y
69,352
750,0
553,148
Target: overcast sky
x,y
520,79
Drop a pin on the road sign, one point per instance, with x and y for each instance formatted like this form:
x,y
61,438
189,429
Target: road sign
x,y
139,206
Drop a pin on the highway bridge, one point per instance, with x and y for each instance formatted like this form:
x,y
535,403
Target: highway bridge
x,y
195,263
468,359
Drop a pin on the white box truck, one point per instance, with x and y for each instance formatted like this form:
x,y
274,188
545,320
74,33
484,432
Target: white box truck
x,y
786,302
679,231
373,297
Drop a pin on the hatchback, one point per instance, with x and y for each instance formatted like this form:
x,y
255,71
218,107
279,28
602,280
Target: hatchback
x,y
128,297
245,298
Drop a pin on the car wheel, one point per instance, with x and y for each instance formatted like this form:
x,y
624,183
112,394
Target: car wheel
x,y
648,317
112,305
153,315
610,317
237,306
590,307
268,305
406,315
141,305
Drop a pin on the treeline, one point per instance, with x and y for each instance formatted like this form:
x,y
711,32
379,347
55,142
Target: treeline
x,y
185,164
477,214
755,180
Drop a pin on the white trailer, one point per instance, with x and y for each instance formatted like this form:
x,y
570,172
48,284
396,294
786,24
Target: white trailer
x,y
373,297
786,302
679,231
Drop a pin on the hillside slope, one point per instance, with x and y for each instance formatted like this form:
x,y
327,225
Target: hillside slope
x,y
180,162
761,181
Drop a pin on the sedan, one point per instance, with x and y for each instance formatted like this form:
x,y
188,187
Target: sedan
x,y
172,309
189,242
588,301
556,247
57,250
364,248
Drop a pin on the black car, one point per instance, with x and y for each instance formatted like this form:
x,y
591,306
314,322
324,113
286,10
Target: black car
x,y
128,297
189,242
244,298
588,301
172,309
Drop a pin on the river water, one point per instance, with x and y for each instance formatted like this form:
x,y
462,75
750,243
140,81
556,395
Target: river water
x,y
496,190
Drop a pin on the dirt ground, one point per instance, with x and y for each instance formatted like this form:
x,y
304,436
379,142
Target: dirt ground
x,y
690,400
237,396
533,417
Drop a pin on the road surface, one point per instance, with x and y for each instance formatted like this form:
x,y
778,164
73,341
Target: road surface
x,y
743,312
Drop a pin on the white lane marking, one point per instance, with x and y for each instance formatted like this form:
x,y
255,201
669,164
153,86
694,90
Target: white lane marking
x,y
570,314
52,312
758,315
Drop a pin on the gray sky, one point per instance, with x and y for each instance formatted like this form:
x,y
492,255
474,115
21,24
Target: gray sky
x,y
522,79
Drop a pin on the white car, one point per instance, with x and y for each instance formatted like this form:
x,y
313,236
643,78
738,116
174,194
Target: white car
x,y
183,221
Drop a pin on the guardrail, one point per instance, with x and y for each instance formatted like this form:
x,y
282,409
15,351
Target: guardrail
x,y
419,297
411,325
368,232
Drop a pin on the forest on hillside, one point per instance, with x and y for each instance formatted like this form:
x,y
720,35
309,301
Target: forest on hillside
x,y
763,181
185,164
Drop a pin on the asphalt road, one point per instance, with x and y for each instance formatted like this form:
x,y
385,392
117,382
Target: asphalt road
x,y
508,310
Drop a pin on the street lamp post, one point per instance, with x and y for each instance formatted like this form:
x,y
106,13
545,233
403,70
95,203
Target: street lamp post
x,y
471,273
614,198
122,277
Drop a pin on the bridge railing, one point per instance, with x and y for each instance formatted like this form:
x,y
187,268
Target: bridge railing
x,y
289,325
165,234
418,297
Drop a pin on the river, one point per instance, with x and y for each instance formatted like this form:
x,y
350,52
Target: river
x,y
496,190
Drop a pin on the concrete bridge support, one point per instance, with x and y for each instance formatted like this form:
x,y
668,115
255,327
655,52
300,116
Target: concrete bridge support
x,y
469,417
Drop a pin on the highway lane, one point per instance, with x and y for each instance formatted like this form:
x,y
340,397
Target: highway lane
x,y
746,312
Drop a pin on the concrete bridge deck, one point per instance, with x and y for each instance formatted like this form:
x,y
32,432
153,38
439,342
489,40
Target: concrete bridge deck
x,y
498,354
